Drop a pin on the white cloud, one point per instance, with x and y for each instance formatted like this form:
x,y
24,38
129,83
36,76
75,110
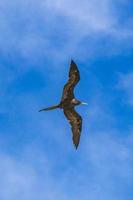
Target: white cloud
x,y
88,15
22,180
91,172
36,31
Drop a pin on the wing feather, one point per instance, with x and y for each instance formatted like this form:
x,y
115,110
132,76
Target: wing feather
x,y
74,78
75,121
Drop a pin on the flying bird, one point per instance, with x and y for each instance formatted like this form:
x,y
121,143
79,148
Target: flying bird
x,y
68,103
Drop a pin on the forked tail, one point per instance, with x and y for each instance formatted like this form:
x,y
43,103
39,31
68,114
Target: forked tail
x,y
49,108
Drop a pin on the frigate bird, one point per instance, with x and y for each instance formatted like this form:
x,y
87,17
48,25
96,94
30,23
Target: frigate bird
x,y
68,102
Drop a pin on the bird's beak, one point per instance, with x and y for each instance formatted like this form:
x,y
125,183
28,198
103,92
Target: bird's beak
x,y
83,103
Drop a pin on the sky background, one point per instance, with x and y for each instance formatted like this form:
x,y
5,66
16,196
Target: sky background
x,y
37,157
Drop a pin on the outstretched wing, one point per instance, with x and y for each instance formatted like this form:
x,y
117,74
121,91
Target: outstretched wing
x,y
75,121
74,78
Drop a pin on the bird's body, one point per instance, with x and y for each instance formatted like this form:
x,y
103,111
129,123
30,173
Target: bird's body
x,y
68,102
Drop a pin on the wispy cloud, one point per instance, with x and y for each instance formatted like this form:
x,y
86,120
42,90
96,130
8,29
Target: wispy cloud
x,y
126,84
37,158
27,29
34,173
20,179
85,16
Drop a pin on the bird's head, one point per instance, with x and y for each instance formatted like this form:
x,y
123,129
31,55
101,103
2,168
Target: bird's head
x,y
77,102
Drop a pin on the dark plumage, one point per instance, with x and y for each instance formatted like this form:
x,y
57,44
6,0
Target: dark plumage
x,y
68,102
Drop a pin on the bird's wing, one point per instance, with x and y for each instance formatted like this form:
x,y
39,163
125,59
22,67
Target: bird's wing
x,y
74,78
75,121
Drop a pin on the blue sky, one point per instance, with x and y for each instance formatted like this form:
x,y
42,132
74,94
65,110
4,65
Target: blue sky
x,y
38,40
